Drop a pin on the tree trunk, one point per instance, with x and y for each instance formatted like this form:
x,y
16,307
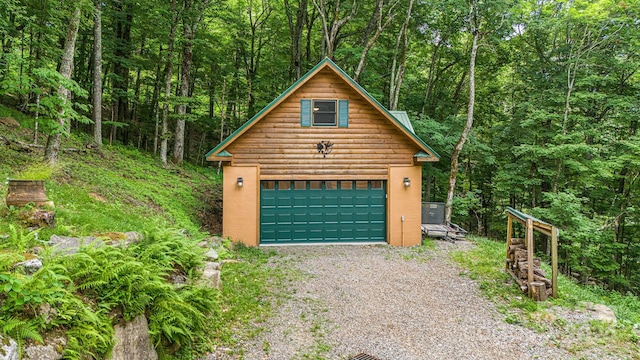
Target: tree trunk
x,y
168,75
66,67
191,18
376,22
96,114
467,128
397,68
296,31
331,25
187,58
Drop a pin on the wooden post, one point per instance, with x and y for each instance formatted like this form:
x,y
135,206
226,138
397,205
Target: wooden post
x,y
509,234
529,241
554,261
538,291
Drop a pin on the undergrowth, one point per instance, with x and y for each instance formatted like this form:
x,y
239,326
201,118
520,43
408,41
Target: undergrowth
x,y
81,297
485,264
85,294
250,287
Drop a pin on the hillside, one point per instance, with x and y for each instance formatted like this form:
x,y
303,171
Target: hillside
x,y
104,193
115,188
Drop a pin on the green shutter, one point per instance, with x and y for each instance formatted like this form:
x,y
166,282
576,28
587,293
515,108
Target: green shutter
x,y
305,112
343,113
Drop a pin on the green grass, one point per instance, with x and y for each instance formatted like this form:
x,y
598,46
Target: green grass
x,y
485,264
116,189
119,189
248,288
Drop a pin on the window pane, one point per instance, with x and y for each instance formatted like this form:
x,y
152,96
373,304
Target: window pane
x,y
324,112
324,106
300,185
330,185
284,185
268,184
315,185
346,185
362,184
324,119
376,184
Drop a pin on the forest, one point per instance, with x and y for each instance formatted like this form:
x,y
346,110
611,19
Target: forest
x,y
545,93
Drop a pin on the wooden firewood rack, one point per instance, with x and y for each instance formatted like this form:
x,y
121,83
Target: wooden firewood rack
x,y
535,282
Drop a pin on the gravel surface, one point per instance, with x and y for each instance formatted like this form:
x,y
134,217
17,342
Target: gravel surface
x,y
390,303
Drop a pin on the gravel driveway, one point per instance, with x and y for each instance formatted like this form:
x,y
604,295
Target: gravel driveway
x,y
390,303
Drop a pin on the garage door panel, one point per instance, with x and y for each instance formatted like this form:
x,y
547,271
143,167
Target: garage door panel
x,y
323,211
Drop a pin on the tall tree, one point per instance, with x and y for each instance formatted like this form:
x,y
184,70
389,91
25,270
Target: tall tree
x,y
97,73
329,12
168,75
66,67
399,60
296,26
191,17
377,25
455,154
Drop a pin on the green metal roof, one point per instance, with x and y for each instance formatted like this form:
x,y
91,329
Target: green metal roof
x,y
326,61
403,118
522,216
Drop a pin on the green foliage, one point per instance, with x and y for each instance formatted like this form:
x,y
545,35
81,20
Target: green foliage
x,y
485,264
248,289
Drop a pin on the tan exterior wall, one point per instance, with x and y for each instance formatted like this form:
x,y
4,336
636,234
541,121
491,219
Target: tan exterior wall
x,y
404,201
241,205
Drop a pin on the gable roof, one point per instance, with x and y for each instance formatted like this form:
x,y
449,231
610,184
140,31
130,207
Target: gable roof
x,y
403,125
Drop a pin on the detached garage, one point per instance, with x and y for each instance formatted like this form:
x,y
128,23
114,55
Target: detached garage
x,y
323,163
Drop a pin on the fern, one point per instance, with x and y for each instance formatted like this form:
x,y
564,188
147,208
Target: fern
x,y
20,329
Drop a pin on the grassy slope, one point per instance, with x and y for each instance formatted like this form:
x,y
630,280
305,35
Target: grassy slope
x,y
122,189
116,189
486,264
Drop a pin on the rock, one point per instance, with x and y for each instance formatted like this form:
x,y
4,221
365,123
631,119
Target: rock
x,y
70,245
50,350
132,341
37,218
47,312
132,237
602,313
178,279
203,244
8,348
216,241
29,267
212,254
211,275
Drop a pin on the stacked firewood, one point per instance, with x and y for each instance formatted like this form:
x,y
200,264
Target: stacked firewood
x,y
517,264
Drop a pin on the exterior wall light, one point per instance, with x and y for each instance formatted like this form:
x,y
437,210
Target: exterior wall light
x,y
240,182
407,182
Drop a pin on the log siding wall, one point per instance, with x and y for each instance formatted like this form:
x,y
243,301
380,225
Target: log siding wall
x,y
286,150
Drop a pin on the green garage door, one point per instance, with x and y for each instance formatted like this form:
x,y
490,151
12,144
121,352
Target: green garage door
x,y
322,211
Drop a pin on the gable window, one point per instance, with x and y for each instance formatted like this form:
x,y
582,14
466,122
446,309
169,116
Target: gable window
x,y
324,112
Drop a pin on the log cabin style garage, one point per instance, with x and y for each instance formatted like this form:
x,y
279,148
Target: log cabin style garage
x,y
323,163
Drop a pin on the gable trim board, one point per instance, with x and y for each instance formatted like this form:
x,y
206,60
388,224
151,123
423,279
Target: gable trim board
x,y
292,193
213,155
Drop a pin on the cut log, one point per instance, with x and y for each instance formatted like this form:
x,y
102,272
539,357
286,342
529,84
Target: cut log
x,y
549,291
546,281
538,291
517,241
